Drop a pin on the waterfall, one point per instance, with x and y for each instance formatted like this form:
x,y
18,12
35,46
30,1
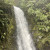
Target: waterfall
x,y
24,39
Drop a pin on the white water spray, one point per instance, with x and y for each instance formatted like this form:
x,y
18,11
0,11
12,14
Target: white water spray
x,y
24,39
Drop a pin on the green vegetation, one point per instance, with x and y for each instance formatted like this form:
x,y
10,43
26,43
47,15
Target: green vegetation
x,y
10,2
7,26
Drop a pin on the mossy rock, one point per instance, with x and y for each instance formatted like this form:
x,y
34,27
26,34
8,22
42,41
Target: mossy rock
x,y
7,27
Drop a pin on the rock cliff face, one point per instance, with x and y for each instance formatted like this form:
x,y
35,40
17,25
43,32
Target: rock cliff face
x,y
7,27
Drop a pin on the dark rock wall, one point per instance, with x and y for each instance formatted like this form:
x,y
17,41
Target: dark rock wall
x,y
7,27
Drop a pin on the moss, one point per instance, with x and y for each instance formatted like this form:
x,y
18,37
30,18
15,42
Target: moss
x,y
7,26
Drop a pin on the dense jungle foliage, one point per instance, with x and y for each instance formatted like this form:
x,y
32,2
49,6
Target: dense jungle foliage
x,y
37,13
7,26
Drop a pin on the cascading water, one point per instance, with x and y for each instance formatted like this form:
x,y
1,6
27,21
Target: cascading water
x,y
24,39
